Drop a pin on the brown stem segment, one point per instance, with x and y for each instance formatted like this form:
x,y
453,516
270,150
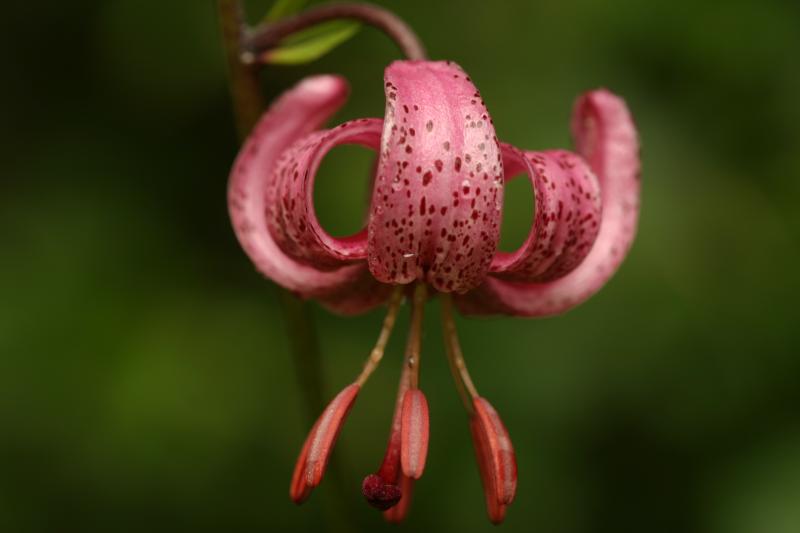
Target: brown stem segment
x,y
245,91
266,36
455,357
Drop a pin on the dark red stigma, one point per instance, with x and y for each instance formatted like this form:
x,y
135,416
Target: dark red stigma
x,y
380,494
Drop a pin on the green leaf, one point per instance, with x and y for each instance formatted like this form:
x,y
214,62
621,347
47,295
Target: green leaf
x,y
284,8
307,45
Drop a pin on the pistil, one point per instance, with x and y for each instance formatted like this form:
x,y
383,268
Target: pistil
x,y
389,489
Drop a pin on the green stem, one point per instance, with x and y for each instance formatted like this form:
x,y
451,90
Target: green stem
x,y
248,105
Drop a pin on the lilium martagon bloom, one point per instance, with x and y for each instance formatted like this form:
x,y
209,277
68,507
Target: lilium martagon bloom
x,y
433,228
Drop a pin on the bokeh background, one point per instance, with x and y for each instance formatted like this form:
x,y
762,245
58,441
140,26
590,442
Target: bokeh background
x,y
145,376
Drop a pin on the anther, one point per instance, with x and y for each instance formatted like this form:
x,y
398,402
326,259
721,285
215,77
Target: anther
x,y
494,508
316,451
414,433
494,452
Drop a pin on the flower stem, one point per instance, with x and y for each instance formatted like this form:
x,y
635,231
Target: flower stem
x,y
243,79
248,105
268,35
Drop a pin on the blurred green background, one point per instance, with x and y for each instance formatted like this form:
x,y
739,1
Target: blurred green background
x,y
145,377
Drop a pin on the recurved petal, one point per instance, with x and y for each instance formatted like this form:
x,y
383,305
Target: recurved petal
x,y
359,295
606,138
290,212
437,199
567,215
295,114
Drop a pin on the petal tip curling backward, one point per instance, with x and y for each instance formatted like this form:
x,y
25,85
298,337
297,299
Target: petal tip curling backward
x,y
606,138
252,194
296,113
324,85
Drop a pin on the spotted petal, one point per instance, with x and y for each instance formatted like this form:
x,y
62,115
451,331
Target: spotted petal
x,y
291,216
437,200
606,138
567,215
298,112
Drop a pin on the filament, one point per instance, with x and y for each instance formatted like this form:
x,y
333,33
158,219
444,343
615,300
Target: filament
x,y
414,343
377,352
455,357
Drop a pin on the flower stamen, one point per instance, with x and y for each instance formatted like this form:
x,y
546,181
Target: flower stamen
x,y
316,451
497,463
318,446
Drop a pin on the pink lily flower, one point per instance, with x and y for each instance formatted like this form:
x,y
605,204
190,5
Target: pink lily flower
x,y
434,224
